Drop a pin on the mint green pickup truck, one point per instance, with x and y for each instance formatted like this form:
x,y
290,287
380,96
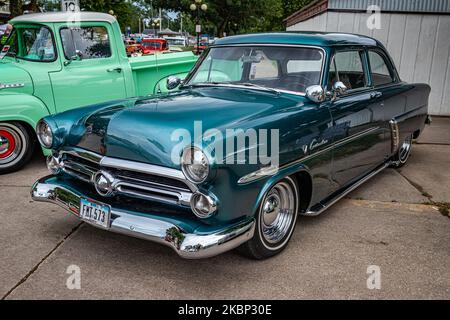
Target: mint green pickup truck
x,y
54,62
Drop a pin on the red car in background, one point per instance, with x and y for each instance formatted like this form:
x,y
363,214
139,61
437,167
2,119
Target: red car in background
x,y
154,46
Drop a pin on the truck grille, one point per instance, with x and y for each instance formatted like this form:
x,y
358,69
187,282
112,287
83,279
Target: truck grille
x,y
151,185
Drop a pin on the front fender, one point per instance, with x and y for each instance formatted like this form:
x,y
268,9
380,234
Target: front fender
x,y
22,107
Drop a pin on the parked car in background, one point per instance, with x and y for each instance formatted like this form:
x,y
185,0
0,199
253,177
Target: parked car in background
x,y
154,46
132,47
201,47
335,107
51,64
176,43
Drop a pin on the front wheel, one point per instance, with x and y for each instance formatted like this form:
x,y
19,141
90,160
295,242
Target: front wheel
x,y
275,221
402,155
16,146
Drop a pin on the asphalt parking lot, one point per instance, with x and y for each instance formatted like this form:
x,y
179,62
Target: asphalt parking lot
x,y
395,221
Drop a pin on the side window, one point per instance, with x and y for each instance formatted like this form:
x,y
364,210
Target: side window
x,y
380,70
348,68
92,42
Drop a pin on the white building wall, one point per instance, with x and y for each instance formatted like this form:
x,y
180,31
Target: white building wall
x,y
419,45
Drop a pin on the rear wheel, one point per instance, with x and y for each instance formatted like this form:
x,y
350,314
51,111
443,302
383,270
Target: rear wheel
x,y
402,156
16,146
275,221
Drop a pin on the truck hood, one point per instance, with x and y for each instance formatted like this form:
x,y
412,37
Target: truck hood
x,y
14,79
150,129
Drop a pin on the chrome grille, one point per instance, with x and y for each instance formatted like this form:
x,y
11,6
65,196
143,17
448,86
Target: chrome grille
x,y
149,183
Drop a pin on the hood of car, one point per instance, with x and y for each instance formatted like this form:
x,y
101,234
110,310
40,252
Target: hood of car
x,y
150,129
14,79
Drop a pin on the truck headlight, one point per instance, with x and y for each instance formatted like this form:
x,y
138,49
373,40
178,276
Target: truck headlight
x,y
195,165
44,134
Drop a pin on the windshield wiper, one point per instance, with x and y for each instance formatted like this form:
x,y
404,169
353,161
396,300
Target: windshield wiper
x,y
245,84
252,85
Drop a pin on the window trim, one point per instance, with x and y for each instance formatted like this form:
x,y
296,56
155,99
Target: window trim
x,y
55,48
387,61
366,69
89,26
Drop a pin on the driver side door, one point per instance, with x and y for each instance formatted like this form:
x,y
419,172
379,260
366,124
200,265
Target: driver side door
x,y
97,77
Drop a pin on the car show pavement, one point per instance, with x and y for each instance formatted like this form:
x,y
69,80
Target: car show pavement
x,y
397,222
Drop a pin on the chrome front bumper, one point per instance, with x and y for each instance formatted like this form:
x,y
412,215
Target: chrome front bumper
x,y
186,245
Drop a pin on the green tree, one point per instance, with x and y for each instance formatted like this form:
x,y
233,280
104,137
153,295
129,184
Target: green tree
x,y
291,6
231,16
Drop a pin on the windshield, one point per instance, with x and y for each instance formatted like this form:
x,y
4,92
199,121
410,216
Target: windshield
x,y
33,43
282,68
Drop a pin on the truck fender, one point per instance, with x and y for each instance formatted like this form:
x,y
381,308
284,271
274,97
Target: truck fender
x,y
22,107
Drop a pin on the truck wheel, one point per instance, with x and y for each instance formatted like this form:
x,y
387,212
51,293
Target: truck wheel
x,y
275,221
16,146
402,156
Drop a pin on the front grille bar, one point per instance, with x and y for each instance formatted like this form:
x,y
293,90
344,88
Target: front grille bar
x,y
84,165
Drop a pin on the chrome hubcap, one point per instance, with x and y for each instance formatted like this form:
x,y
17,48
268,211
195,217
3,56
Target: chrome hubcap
x,y
405,149
4,145
278,213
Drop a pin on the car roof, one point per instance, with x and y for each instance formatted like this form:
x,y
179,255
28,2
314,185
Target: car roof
x,y
321,39
50,17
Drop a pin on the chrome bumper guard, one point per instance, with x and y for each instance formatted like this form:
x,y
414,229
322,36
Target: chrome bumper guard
x,y
186,245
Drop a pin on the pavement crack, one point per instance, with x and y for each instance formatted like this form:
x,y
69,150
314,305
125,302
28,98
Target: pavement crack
x,y
33,270
417,186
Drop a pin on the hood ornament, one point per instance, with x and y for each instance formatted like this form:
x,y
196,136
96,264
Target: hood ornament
x,y
11,85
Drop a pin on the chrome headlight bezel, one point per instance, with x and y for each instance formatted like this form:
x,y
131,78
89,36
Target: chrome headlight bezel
x,y
192,159
45,134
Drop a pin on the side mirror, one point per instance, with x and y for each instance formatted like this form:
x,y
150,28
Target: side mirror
x,y
315,94
173,82
77,57
339,88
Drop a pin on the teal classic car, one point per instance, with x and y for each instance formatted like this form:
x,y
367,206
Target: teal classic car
x,y
55,62
266,127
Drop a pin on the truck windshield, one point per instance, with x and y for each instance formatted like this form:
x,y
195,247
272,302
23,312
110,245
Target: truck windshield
x,y
34,43
282,68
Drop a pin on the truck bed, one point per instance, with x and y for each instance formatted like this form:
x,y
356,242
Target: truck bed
x,y
156,68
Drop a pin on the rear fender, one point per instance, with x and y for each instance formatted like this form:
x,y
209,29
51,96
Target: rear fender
x,y
414,118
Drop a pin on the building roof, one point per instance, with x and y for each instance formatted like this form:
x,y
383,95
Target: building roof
x,y
317,7
321,39
64,17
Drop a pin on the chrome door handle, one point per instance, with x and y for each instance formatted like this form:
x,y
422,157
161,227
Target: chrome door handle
x,y
118,70
375,95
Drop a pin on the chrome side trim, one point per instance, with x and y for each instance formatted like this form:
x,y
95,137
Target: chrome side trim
x,y
395,135
323,207
186,245
11,85
268,171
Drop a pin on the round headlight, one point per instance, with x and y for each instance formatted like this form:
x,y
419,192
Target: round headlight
x,y
195,165
44,134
